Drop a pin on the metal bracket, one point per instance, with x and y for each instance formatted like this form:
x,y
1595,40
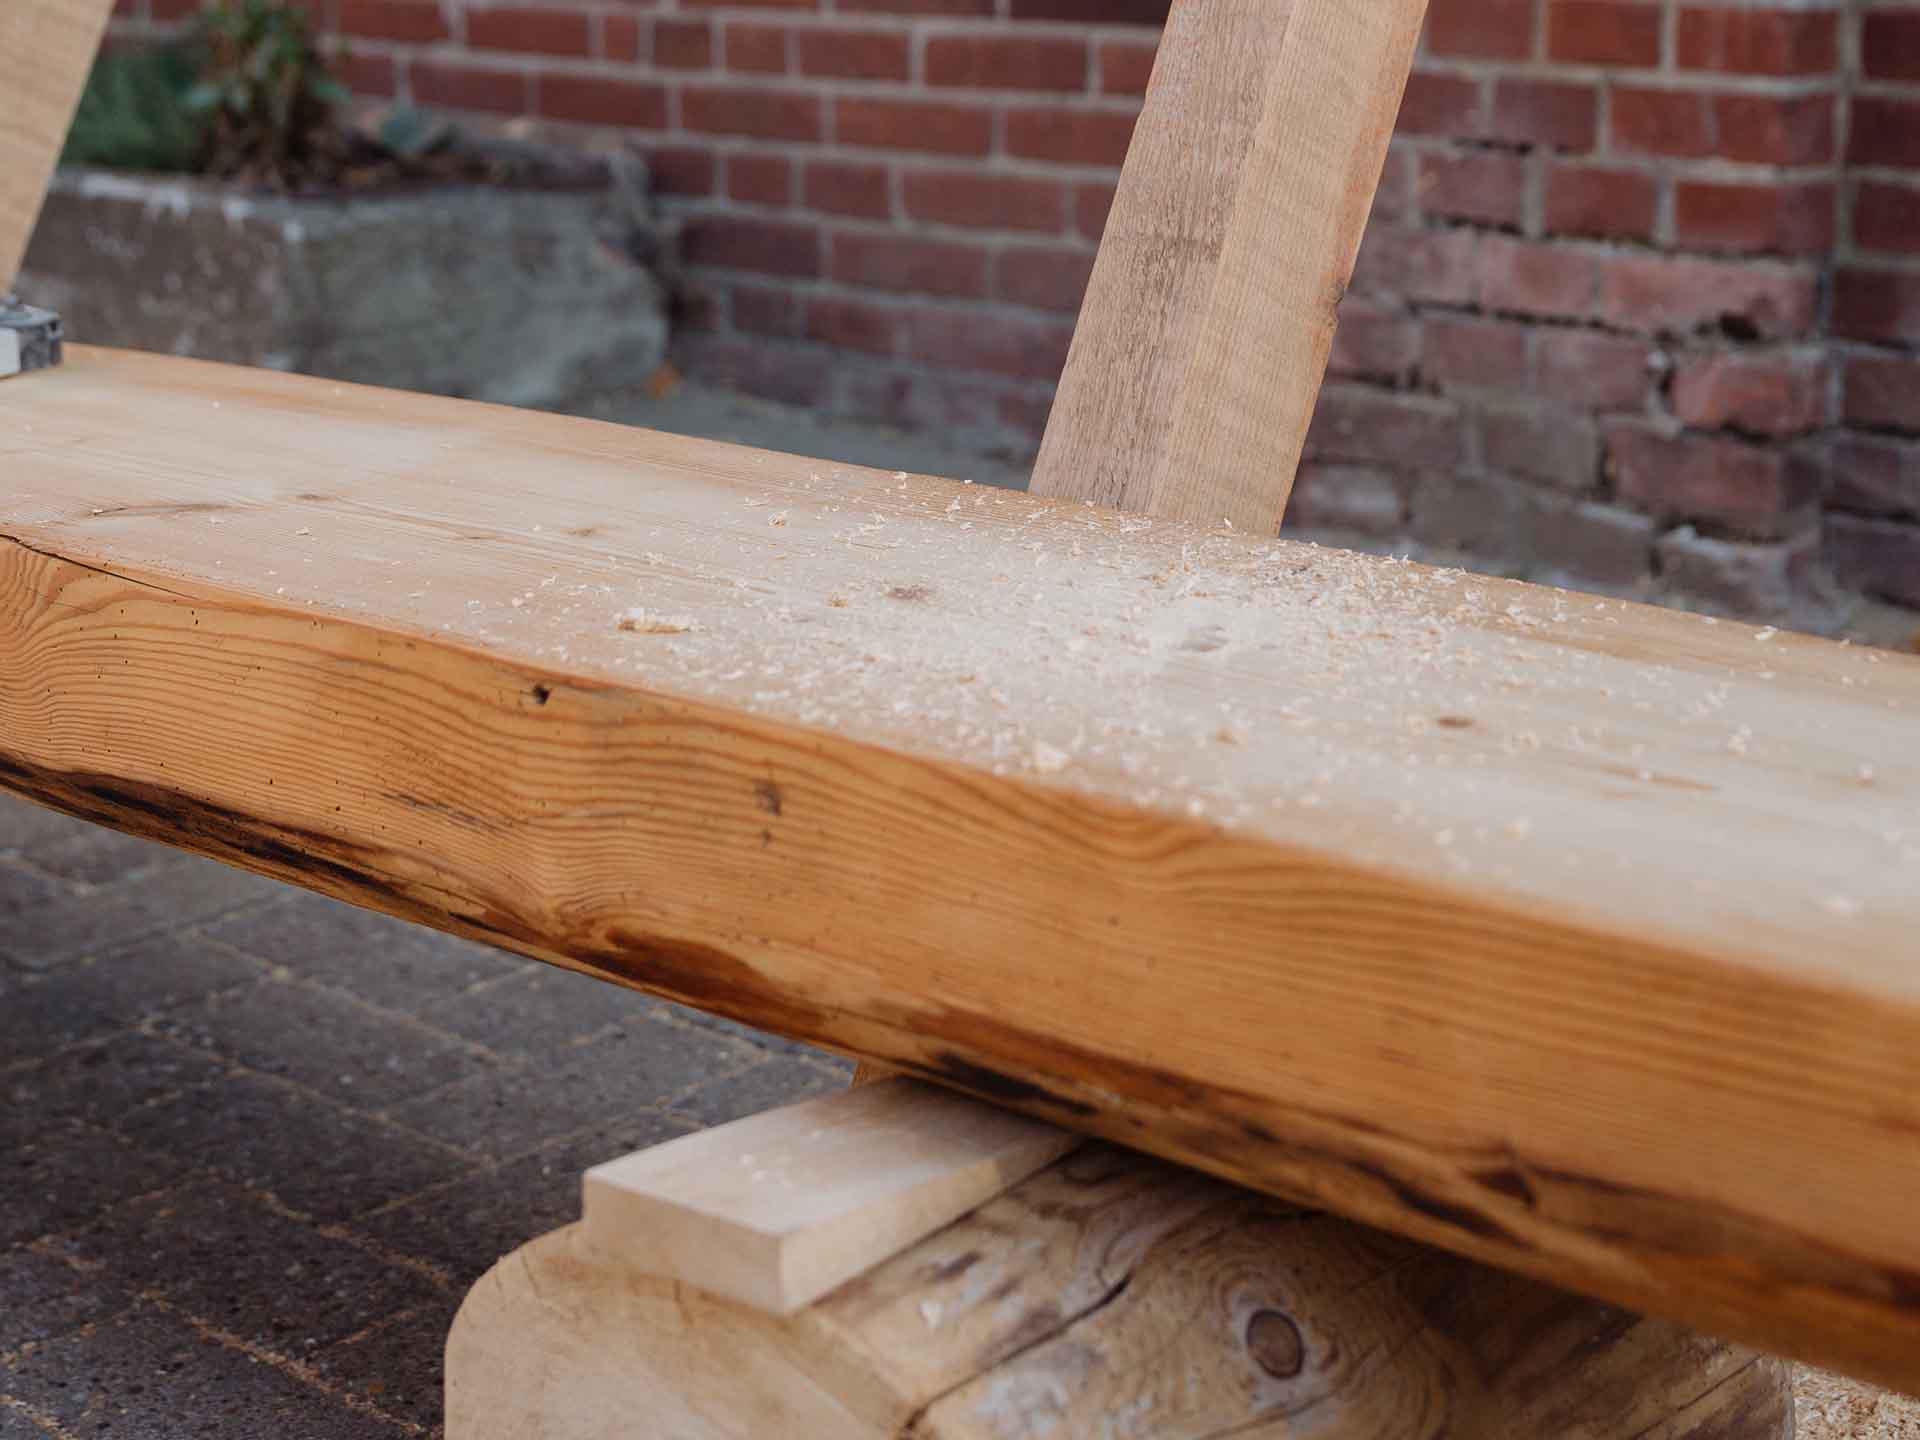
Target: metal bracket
x,y
29,337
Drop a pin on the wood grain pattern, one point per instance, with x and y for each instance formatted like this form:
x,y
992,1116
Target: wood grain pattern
x,y
1204,336
1109,1296
777,1209
1576,936
46,47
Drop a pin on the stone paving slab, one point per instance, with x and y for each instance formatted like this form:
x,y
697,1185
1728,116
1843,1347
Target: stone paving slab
x,y
257,1143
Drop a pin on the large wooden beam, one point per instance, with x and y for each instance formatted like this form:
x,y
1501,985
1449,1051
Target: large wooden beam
x,y
45,49
1204,337
1575,936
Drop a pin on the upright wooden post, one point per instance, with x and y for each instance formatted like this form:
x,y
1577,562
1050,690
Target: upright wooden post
x,y
46,47
1205,332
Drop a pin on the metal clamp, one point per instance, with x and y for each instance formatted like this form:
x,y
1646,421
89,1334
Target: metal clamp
x,y
29,337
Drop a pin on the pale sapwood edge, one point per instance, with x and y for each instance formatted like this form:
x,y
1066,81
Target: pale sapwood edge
x,y
1572,935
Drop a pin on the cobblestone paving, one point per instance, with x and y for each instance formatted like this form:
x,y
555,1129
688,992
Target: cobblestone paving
x,y
257,1144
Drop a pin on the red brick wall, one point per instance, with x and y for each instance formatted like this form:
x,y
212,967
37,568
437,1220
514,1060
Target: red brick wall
x,y
1872,529
1640,302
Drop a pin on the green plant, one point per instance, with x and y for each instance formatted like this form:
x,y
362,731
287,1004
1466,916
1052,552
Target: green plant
x,y
266,93
134,114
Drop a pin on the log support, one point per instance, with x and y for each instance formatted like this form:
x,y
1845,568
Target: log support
x,y
1105,1294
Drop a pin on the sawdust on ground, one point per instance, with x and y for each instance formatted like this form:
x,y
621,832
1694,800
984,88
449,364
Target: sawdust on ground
x,y
1827,1407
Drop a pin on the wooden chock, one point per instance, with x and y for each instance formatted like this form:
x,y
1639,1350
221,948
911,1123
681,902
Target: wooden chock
x,y
1109,1294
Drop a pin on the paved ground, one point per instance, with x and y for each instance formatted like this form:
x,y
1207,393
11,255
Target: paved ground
x,y
256,1144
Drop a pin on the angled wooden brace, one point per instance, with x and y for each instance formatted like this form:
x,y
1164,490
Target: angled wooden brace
x,y
46,47
1206,327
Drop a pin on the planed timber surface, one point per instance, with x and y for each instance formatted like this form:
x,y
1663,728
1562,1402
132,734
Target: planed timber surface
x,y
1574,936
777,1209
1207,323
1110,1295
46,47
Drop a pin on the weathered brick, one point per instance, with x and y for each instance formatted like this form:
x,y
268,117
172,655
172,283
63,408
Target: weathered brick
x,y
1373,342
1757,41
1440,105
760,179
680,169
1542,442
1125,67
1008,62
1890,43
1883,392
1484,29
1043,277
791,374
1693,124
886,261
761,49
1484,186
1393,196
853,54
847,188
527,30
475,87
1885,130
1756,581
1554,114
740,242
1775,394
1355,423
912,125
1069,137
761,113
598,100
1480,514
1458,350
1608,203
1877,305
1091,205
413,22
1530,278
1676,295
1775,219
1604,32
1437,266
849,324
1027,349
1354,498
1752,491
1881,557
1585,539
680,44
986,201
1876,475
1886,217
764,310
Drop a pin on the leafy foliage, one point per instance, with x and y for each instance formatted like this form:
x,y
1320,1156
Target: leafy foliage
x,y
266,93
134,114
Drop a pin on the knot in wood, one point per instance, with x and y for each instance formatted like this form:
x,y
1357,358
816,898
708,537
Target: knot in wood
x,y
1274,1343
